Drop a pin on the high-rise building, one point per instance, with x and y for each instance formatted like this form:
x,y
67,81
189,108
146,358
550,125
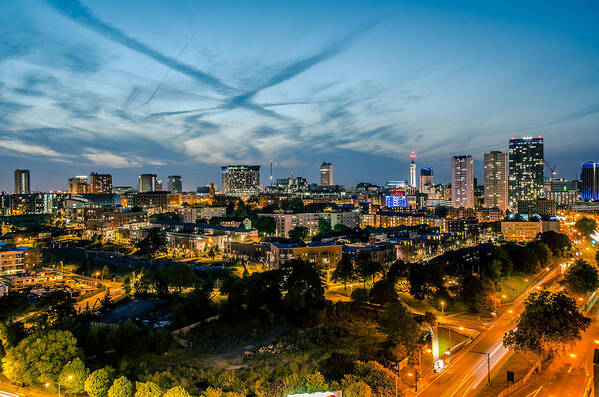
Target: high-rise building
x,y
78,184
496,180
526,164
148,183
100,183
241,180
589,181
175,184
462,182
426,178
413,182
22,182
326,174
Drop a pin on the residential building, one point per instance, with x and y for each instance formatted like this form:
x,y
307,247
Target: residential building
x,y
462,182
326,174
325,254
523,231
78,184
100,183
22,185
175,184
147,183
241,180
543,207
193,214
496,180
285,221
526,166
15,259
426,179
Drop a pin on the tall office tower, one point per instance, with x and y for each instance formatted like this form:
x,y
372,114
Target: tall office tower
x,y
159,185
496,180
326,174
174,184
22,182
147,183
100,183
462,182
589,178
78,184
241,180
426,178
413,182
526,164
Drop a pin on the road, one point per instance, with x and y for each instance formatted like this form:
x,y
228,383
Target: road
x,y
567,376
469,369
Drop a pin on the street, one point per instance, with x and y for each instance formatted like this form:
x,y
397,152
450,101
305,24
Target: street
x,y
469,369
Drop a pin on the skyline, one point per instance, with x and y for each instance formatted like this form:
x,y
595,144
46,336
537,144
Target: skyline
x,y
94,89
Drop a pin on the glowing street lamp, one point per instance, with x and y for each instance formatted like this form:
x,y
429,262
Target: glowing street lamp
x,y
442,308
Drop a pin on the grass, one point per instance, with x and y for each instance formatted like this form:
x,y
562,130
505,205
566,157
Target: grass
x,y
519,363
444,343
512,287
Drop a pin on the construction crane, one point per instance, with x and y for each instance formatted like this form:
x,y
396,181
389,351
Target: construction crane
x,y
552,169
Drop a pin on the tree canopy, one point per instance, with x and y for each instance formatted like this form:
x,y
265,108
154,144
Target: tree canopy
x,y
147,389
40,357
582,278
98,382
586,226
73,375
121,387
154,243
551,322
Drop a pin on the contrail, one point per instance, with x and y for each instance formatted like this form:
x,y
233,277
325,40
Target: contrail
x,y
169,69
82,15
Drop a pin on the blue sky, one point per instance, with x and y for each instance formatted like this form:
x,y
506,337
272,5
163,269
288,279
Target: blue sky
x,y
185,87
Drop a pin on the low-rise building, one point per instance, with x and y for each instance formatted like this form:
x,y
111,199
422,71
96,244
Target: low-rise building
x,y
523,231
31,279
15,259
193,214
326,255
384,253
286,221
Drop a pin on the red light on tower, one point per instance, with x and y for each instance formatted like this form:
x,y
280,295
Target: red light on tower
x,y
413,156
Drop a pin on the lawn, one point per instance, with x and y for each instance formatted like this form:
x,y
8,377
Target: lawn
x,y
514,286
519,363
444,339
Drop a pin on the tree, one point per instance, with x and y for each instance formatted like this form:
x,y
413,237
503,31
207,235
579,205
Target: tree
x,y
352,386
73,375
298,233
177,391
399,325
181,276
121,387
380,379
98,382
582,278
147,389
597,257
53,308
344,272
365,268
324,226
426,279
475,294
383,291
557,242
360,295
266,225
154,243
541,250
305,291
106,273
40,357
106,300
586,226
551,322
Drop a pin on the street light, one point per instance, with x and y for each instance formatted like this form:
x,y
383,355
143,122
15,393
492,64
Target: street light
x,y
442,308
58,383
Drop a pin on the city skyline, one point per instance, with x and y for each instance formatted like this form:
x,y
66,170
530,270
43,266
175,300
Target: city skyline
x,y
86,89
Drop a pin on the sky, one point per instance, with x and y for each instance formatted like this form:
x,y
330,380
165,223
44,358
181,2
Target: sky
x,y
182,88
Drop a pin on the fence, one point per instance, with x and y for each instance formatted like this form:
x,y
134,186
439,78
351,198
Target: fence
x,y
522,382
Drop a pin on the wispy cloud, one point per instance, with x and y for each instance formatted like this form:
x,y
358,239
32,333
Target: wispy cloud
x,y
20,147
83,15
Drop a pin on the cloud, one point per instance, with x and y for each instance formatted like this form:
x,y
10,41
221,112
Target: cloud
x,y
15,145
79,13
111,160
